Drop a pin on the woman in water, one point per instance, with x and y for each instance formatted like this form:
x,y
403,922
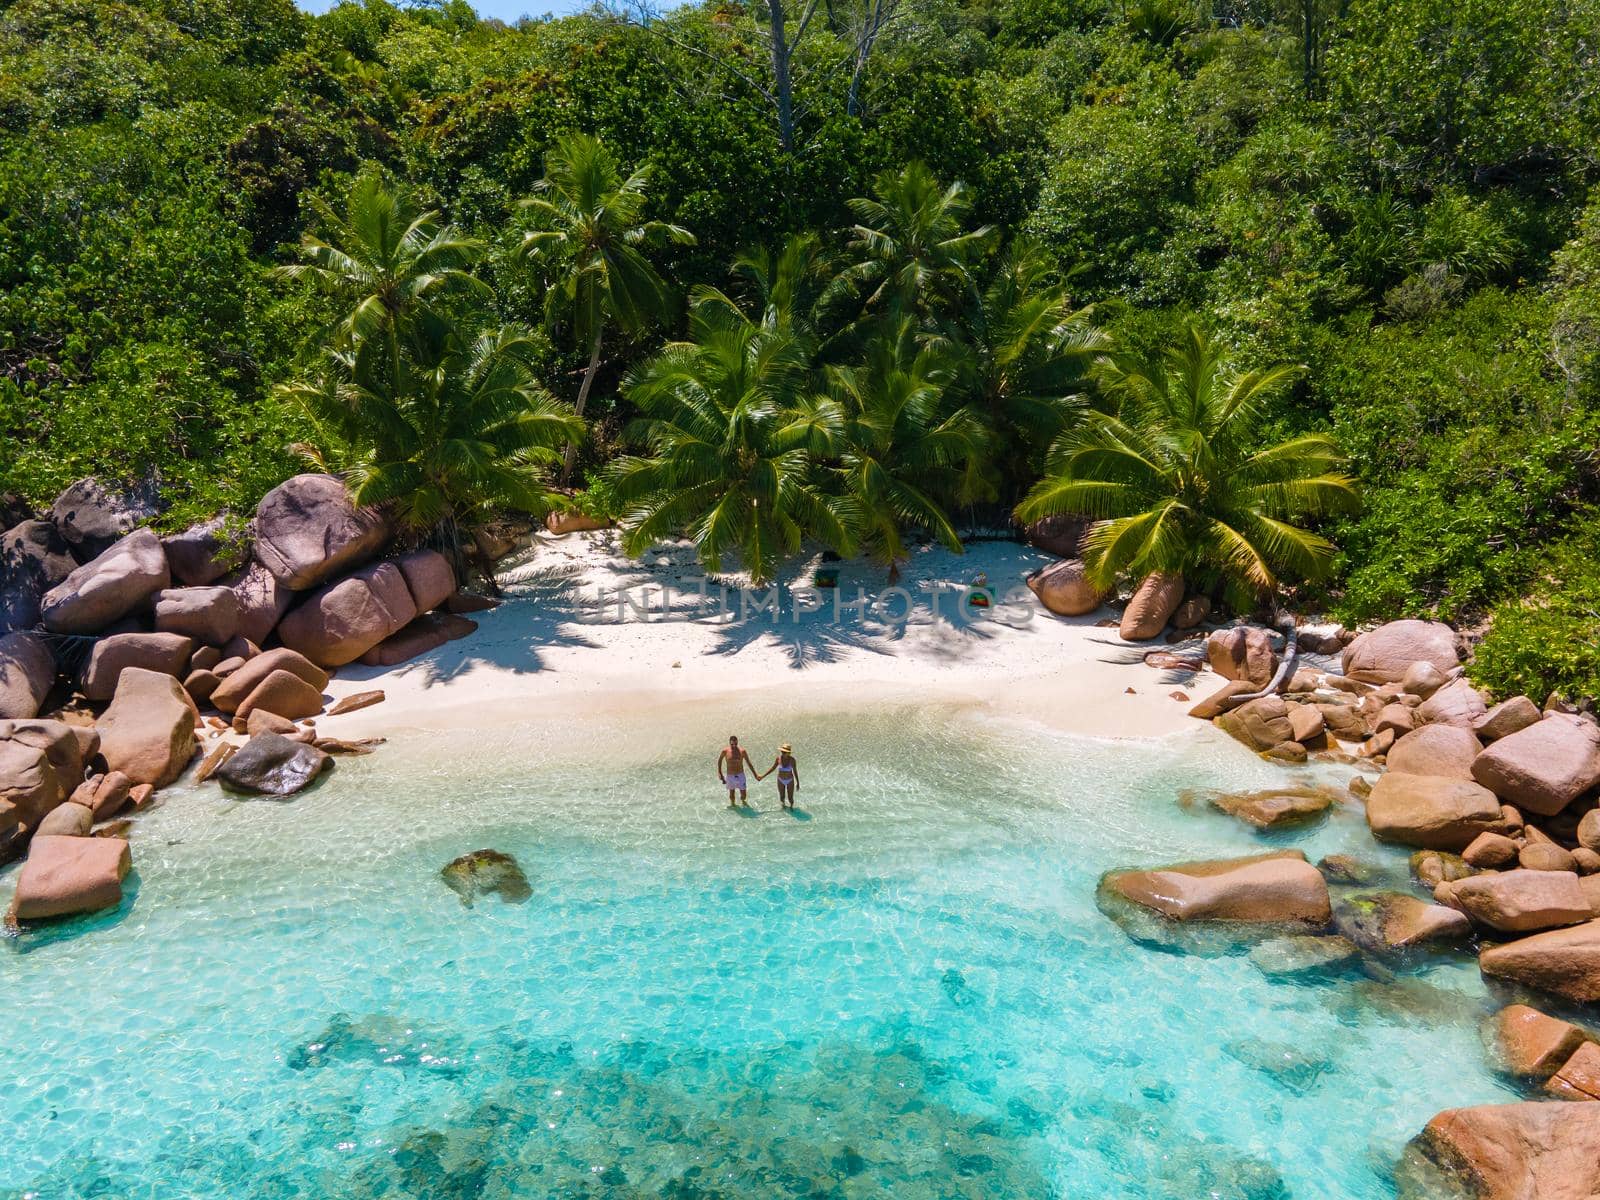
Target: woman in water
x,y
788,774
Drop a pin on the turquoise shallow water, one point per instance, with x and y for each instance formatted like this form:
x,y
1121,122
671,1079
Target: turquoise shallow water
x,y
910,993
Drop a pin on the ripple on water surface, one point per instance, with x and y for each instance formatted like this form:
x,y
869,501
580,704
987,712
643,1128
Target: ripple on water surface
x,y
904,989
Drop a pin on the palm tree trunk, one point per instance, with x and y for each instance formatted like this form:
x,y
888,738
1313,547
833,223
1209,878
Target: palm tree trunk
x,y
583,398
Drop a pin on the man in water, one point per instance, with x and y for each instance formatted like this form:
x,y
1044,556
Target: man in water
x,y
730,769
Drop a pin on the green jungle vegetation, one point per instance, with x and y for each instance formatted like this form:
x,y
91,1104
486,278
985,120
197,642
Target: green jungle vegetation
x,y
1290,295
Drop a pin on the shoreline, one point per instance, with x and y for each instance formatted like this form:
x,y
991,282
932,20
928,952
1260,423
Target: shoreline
x,y
560,644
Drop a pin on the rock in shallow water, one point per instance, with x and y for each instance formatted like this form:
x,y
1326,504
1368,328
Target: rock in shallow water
x,y
1523,901
1215,907
484,873
65,875
1529,1151
271,764
1392,924
1529,1045
1275,808
1265,887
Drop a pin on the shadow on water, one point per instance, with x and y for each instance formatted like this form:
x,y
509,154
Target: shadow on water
x,y
799,814
875,1116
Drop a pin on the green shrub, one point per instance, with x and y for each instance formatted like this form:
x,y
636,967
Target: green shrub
x,y
1548,640
1471,453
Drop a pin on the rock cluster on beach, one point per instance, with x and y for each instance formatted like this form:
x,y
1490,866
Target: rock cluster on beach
x,y
1498,796
215,642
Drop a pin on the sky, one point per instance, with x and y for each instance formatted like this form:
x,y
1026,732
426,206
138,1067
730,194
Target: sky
x,y
506,10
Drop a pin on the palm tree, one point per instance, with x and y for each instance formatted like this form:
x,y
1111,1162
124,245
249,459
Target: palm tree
x,y
730,430
1026,359
903,452
1177,482
911,246
589,232
786,287
385,260
468,430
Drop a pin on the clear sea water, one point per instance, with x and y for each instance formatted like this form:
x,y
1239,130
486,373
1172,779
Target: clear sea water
x,y
905,989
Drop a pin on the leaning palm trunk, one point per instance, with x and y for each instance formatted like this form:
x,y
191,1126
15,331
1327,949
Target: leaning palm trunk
x,y
571,454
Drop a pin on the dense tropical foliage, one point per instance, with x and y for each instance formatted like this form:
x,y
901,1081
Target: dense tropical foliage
x,y
1177,479
880,287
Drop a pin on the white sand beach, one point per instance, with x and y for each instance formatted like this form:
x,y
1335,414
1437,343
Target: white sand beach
x,y
585,630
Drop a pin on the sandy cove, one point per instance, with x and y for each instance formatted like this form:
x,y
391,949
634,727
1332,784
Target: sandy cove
x,y
565,642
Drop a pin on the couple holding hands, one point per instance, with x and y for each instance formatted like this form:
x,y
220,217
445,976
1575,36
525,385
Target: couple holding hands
x,y
735,758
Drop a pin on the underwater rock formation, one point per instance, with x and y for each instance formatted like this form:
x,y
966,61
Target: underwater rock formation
x,y
486,873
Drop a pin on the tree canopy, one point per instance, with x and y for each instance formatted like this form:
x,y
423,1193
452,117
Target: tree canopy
x,y
984,203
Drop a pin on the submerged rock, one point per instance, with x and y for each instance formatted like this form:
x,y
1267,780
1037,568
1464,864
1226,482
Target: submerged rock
x,y
1288,1066
486,872
380,1040
1403,1000
1168,1162
1349,870
1304,957
1275,808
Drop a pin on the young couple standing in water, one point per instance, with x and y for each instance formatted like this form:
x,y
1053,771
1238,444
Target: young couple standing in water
x,y
735,758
